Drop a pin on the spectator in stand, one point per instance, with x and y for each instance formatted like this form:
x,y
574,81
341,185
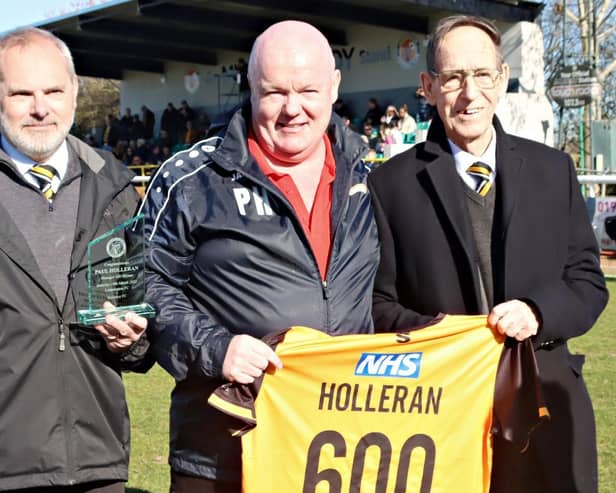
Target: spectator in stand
x,y
406,123
391,115
242,73
374,112
166,152
191,135
118,150
129,153
390,134
137,130
127,119
163,139
148,118
372,155
142,150
156,155
169,122
203,125
370,136
133,144
341,109
126,122
111,134
425,111
187,113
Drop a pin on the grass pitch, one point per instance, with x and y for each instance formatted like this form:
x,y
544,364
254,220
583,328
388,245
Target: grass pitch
x,y
148,398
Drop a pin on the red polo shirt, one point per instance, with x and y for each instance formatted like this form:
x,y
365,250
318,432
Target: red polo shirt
x,y
317,222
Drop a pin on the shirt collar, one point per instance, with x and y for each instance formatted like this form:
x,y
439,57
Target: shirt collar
x,y
464,159
58,160
329,170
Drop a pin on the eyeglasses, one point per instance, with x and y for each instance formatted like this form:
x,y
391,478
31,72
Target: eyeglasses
x,y
452,80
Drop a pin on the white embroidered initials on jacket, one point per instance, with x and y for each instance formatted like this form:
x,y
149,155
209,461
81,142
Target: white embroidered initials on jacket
x,y
244,196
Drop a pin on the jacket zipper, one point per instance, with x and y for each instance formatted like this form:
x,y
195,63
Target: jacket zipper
x,y
70,466
62,343
267,185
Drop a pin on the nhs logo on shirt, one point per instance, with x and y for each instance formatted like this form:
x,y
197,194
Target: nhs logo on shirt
x,y
405,365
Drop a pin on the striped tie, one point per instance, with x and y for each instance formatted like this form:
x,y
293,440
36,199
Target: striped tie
x,y
481,172
47,178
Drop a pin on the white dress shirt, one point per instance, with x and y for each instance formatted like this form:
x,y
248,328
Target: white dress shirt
x,y
464,160
58,160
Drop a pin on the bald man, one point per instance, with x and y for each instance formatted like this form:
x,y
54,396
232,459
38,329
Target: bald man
x,y
268,226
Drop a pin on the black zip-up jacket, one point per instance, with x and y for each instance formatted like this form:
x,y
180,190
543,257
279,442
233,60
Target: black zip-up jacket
x,y
227,255
63,416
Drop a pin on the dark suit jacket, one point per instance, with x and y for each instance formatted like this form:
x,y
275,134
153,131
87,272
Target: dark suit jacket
x,y
543,252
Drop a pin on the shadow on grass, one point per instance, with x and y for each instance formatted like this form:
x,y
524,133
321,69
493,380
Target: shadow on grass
x,y
137,490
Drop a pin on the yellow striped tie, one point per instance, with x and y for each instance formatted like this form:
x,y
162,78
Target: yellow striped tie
x,y
482,173
47,178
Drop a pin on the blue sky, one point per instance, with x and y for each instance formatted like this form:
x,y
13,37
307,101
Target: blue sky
x,y
23,12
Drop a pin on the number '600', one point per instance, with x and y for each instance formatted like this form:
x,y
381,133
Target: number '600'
x,y
313,475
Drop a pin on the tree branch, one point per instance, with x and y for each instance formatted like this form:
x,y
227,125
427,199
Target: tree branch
x,y
609,68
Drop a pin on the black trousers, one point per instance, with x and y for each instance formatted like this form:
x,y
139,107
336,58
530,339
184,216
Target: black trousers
x,y
181,483
93,487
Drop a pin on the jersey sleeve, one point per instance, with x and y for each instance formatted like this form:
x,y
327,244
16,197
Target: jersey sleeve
x,y
238,400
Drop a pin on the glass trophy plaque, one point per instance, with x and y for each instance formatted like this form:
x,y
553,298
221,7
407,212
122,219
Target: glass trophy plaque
x,y
116,264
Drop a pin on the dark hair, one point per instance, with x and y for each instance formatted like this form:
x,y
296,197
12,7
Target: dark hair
x,y
448,24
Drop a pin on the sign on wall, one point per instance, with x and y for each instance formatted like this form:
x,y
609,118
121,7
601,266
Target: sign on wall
x,y
576,86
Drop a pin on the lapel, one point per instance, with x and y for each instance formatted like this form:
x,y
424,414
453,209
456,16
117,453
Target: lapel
x,y
444,177
509,166
92,199
449,194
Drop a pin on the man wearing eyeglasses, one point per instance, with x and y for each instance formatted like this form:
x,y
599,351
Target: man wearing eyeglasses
x,y
475,220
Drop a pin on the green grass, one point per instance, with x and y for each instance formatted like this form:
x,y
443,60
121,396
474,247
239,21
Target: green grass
x,y
599,346
148,397
148,400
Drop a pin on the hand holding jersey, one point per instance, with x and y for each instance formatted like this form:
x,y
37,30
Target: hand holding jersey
x,y
247,358
515,319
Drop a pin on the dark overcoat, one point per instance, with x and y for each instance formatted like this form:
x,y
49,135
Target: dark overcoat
x,y
543,252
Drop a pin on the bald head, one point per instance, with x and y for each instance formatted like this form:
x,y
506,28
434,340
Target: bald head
x,y
289,37
293,84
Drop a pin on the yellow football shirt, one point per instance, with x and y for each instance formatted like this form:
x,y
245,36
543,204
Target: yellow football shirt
x,y
383,413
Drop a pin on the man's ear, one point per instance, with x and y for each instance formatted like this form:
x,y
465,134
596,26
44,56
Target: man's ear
x,y
335,85
504,80
427,84
75,88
